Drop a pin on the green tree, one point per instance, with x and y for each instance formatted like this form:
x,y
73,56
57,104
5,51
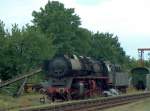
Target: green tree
x,y
59,22
82,41
2,29
107,46
23,50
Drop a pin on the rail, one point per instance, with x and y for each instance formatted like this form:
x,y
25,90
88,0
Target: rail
x,y
91,105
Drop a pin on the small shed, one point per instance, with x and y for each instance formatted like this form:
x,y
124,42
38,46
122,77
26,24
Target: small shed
x,y
139,77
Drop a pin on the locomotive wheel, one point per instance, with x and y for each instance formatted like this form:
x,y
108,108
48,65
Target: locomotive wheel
x,y
68,96
51,98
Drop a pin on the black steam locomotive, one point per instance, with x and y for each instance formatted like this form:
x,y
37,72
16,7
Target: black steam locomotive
x,y
72,77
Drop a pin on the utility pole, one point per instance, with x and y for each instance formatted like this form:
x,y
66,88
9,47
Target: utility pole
x,y
141,55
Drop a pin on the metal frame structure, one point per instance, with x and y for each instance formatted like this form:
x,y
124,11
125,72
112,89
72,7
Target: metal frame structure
x,y
141,55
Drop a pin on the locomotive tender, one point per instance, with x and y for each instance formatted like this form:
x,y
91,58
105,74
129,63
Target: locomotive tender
x,y
73,77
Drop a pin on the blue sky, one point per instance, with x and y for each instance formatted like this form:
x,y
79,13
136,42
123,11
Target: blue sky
x,y
129,19
88,2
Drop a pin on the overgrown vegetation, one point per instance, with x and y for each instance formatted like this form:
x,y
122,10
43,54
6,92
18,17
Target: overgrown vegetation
x,y
13,104
55,30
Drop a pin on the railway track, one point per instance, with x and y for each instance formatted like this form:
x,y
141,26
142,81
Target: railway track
x,y
91,104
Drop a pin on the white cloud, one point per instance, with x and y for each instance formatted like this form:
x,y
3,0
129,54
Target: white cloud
x,y
129,19
116,15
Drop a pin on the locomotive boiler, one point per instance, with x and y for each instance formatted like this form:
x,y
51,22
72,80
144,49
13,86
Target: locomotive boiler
x,y
68,66
72,77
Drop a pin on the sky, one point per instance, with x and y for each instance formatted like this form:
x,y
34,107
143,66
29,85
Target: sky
x,y
128,19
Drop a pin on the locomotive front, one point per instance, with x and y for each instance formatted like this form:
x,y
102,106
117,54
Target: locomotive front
x,y
63,66
59,67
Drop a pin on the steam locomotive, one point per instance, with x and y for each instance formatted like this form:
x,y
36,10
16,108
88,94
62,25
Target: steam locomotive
x,y
73,77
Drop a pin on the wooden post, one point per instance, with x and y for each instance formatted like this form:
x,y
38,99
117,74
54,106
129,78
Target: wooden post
x,y
21,89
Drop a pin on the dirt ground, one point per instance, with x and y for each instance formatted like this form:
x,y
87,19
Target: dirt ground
x,y
143,105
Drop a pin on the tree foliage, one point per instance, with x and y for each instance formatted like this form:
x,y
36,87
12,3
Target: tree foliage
x,y
59,22
22,50
55,30
107,46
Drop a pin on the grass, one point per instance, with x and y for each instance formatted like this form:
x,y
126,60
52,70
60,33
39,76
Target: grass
x,y
8,102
